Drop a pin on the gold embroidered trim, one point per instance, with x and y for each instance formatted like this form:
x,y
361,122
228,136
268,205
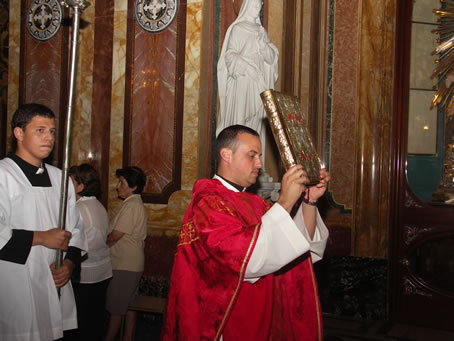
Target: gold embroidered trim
x,y
188,234
225,208
314,284
240,280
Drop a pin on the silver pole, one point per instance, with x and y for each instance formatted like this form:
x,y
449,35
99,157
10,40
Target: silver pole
x,y
78,6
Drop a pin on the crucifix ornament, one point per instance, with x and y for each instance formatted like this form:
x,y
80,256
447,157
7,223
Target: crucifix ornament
x,y
155,15
44,19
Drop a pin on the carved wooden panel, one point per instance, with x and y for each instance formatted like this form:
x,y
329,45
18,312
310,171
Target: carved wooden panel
x,y
154,104
422,233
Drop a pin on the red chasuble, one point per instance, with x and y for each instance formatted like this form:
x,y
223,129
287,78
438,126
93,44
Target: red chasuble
x,y
208,296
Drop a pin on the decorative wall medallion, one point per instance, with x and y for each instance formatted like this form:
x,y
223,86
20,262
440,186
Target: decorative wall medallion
x,y
155,15
44,19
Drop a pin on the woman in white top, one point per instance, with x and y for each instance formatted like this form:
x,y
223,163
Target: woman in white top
x,y
96,270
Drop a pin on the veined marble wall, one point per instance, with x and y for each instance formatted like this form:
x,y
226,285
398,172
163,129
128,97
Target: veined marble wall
x,y
164,218
13,60
358,105
159,216
117,101
80,151
4,45
344,99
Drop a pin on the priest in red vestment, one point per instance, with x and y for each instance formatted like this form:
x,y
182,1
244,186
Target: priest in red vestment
x,y
243,267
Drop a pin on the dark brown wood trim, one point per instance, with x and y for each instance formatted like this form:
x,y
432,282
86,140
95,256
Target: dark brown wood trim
x,y
64,86
206,91
288,47
399,143
314,70
372,142
22,49
3,130
128,81
4,99
179,104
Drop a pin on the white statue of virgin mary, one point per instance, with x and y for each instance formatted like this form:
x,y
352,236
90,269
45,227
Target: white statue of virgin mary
x,y
248,65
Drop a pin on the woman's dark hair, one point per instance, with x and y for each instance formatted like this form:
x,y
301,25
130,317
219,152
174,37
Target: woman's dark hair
x,y
87,175
134,176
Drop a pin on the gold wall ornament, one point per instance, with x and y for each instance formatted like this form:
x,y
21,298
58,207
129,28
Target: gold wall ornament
x,y
446,45
443,97
444,13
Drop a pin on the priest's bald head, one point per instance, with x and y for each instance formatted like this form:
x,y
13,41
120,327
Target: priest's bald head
x,y
238,151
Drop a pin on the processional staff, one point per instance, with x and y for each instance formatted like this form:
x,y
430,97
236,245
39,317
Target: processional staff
x,y
78,6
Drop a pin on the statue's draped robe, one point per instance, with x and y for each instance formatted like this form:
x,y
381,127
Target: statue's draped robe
x,y
208,295
247,66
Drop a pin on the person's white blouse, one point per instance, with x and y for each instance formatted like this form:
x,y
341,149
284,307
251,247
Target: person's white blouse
x,y
98,266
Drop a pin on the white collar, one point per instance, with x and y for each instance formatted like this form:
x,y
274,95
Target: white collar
x,y
226,184
40,170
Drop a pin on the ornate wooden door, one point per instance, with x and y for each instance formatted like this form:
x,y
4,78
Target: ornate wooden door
x,y
422,231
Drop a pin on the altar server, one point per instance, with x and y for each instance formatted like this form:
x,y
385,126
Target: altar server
x,y
30,307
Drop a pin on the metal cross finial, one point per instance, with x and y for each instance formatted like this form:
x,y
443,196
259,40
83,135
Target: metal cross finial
x,y
79,4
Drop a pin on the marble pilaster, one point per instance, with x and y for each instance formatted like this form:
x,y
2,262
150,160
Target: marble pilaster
x,y
373,133
83,88
117,101
167,218
344,102
161,218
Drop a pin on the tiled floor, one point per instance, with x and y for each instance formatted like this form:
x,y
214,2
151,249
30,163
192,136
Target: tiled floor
x,y
347,329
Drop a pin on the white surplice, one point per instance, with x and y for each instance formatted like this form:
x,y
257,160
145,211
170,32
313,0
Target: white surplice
x,y
30,308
